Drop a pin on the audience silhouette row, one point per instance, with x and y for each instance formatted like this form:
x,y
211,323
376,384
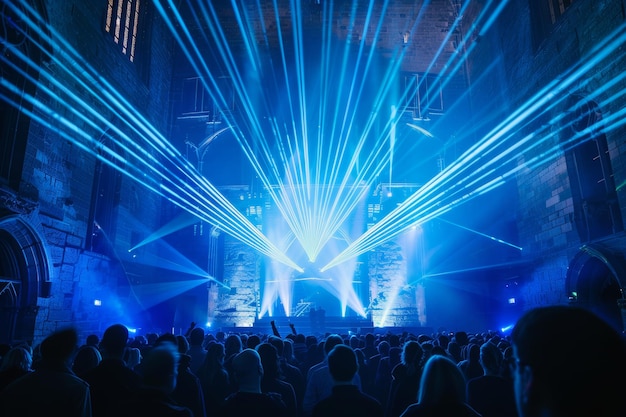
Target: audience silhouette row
x,y
558,361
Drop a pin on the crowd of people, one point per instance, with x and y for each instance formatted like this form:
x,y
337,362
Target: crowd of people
x,y
558,361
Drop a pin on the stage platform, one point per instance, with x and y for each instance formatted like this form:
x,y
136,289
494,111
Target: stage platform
x,y
339,325
305,325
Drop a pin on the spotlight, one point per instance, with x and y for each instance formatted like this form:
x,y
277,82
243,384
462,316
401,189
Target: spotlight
x,y
505,329
97,302
512,300
405,37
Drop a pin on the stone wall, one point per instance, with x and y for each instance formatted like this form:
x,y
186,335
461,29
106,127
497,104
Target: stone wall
x,y
393,300
62,173
237,304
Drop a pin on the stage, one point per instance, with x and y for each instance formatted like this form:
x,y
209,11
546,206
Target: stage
x,y
339,325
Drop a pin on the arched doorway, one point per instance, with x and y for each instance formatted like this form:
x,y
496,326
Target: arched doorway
x,y
24,276
595,281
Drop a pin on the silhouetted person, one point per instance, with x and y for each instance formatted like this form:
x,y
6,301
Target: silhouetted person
x,y
321,319
471,367
346,398
132,357
272,380
568,362
158,381
300,349
290,373
313,356
214,379
249,400
53,389
92,340
313,319
319,384
232,347
87,358
188,391
111,382
15,364
461,338
454,351
369,349
491,394
369,386
383,377
253,341
196,351
405,379
441,392
288,352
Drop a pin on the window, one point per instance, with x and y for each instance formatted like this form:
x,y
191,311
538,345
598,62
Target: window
x,y
122,22
596,209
